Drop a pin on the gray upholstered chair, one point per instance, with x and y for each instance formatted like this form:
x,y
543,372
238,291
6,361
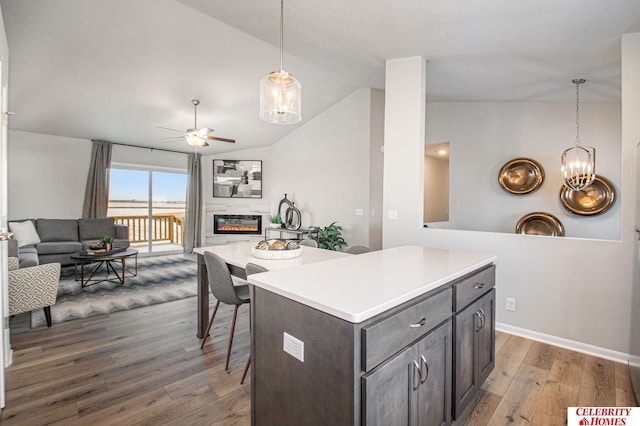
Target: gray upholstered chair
x,y
358,249
33,288
308,242
251,268
222,286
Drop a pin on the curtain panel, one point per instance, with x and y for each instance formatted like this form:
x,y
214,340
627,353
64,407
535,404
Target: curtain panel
x,y
193,217
96,196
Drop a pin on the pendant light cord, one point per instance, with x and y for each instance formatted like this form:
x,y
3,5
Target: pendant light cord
x,y
577,114
281,30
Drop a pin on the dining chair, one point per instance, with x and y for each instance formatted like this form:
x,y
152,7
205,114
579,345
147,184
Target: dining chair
x,y
251,268
308,242
222,286
358,249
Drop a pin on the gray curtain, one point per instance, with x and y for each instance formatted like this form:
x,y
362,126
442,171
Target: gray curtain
x,y
96,196
193,219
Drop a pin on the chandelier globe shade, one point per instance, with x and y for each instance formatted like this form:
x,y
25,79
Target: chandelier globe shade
x,y
280,92
578,163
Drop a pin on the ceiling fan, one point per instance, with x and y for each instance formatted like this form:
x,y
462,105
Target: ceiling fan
x,y
196,137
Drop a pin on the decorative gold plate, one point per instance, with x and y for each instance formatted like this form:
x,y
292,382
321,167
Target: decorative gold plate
x,y
540,223
595,199
521,176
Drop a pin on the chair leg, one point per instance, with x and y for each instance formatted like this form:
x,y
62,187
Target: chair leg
x,y
246,369
206,333
233,327
47,315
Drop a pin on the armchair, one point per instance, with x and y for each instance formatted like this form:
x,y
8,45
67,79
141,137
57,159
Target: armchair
x,y
32,288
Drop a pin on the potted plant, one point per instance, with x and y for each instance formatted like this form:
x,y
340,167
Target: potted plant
x,y
107,241
275,221
329,237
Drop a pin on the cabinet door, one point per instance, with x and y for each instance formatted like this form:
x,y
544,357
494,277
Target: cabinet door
x,y
388,391
486,341
434,394
466,324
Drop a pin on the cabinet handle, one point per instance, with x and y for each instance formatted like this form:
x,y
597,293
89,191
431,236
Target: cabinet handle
x,y
416,367
426,368
484,318
478,286
477,313
420,323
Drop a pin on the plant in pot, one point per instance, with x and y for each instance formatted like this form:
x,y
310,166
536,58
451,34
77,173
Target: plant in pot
x,y
107,241
329,237
275,221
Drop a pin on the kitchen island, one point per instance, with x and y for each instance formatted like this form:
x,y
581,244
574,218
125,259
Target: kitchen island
x,y
399,336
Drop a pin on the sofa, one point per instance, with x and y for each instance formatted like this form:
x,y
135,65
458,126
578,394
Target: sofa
x,y
43,241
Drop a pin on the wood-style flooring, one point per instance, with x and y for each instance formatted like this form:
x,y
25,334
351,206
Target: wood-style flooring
x,y
145,367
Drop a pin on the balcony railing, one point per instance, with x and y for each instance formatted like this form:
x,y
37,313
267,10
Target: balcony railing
x,y
165,228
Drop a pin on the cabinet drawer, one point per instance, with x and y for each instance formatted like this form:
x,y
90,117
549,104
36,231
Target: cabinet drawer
x,y
474,286
388,336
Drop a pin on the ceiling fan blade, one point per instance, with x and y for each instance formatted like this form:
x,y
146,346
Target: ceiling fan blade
x,y
172,138
215,138
170,130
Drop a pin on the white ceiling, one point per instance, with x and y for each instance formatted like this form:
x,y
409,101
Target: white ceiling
x,y
117,69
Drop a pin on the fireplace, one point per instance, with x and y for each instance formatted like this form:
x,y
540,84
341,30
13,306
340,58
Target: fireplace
x,y
237,224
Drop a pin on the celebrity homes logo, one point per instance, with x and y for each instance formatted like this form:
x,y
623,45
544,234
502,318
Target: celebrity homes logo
x,y
603,416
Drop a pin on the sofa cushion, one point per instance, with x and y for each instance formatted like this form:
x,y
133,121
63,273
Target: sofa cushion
x,y
28,256
59,247
95,229
57,229
25,233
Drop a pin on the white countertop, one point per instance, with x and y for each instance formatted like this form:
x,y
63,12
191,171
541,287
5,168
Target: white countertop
x,y
358,287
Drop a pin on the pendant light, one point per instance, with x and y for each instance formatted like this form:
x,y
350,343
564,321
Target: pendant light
x,y
578,162
280,92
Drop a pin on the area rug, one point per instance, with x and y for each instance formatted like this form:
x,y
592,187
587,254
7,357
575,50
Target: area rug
x,y
160,279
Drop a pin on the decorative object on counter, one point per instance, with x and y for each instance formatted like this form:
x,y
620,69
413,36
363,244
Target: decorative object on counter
x,y
521,176
595,199
280,92
237,178
578,162
329,237
293,219
276,250
275,221
286,203
540,223
107,241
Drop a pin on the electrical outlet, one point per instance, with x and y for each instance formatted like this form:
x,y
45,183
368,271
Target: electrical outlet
x,y
359,212
393,214
293,347
511,304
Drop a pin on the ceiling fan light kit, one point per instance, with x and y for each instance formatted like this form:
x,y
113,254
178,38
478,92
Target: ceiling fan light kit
x,y
280,92
578,163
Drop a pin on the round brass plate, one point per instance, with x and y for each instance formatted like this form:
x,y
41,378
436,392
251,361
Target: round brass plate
x,y
595,199
521,176
540,223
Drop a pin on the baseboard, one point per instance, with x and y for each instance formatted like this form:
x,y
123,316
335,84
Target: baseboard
x,y
565,343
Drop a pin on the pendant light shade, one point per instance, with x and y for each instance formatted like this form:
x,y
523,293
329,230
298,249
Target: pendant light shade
x,y
280,92
578,162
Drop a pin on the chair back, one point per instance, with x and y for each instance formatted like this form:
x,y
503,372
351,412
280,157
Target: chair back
x,y
309,243
252,268
220,281
358,249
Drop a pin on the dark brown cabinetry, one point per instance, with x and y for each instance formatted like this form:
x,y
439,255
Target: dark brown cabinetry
x,y
414,387
474,336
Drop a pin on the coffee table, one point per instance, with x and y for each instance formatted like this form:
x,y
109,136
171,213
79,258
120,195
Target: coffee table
x,y
86,274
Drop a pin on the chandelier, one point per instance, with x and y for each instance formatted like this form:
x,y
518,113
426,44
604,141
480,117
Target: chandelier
x,y
280,92
578,162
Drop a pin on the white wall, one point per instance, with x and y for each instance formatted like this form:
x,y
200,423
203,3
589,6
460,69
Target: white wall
x,y
484,136
48,174
436,189
376,167
573,289
324,166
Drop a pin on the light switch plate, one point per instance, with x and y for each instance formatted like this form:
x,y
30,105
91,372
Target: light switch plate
x,y
293,347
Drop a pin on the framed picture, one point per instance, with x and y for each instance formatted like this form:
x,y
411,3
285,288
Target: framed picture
x,y
237,178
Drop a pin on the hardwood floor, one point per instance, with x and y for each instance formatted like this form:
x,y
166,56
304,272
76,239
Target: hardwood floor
x,y
145,367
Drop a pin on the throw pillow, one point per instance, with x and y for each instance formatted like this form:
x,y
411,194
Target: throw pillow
x,y
25,233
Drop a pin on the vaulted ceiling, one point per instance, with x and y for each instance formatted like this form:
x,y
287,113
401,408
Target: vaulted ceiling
x,y
118,69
